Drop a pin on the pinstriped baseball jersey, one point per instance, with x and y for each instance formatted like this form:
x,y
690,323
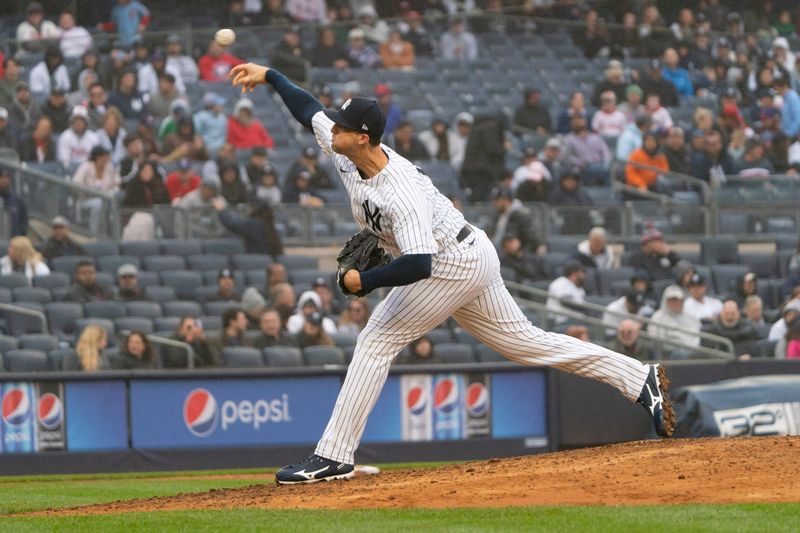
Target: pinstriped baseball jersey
x,y
399,204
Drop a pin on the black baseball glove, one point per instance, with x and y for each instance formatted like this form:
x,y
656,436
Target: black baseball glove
x,y
361,252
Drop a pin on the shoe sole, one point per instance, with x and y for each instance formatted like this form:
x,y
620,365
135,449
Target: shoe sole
x,y
328,478
666,405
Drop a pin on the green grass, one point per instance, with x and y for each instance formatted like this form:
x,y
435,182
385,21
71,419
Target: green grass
x,y
740,518
22,494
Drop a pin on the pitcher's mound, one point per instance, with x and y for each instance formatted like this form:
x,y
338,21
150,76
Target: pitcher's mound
x,y
763,469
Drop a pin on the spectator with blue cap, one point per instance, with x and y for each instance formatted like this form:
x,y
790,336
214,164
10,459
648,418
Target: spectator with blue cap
x,y
211,123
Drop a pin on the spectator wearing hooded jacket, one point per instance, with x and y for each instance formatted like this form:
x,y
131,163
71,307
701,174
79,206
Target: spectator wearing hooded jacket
x,y
309,302
532,115
672,323
645,164
50,73
76,143
244,130
596,252
210,123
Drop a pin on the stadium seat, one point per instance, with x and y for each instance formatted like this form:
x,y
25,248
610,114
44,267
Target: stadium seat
x,y
218,307
282,356
134,323
440,335
13,280
206,293
455,353
229,246
765,265
184,247
62,317
110,263
166,323
25,361
181,308
719,250
8,343
38,341
108,325
241,357
163,263
32,294
147,278
463,336
296,262
144,309
140,248
250,261
204,262
606,279
159,293
185,282
562,243
211,277
304,275
67,263
553,262
323,355
488,355
6,295
55,358
211,322
343,339
101,248
725,277
104,309
53,281
786,242
256,278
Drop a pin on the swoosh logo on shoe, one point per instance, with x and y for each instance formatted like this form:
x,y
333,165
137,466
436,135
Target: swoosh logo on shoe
x,y
310,475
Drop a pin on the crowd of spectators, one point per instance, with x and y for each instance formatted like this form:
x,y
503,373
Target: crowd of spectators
x,y
116,120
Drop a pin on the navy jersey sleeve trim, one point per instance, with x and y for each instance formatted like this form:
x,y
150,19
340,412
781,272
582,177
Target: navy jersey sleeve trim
x,y
404,270
300,102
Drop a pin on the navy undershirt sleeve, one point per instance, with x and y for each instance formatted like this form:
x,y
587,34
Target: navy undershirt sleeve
x,y
404,270
300,102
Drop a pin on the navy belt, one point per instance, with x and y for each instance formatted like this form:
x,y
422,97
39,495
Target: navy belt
x,y
464,233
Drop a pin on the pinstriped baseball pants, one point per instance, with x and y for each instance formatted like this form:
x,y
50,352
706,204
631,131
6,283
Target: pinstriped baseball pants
x,y
465,282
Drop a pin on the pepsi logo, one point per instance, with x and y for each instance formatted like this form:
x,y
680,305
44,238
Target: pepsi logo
x,y
445,395
417,400
50,411
200,412
16,406
477,399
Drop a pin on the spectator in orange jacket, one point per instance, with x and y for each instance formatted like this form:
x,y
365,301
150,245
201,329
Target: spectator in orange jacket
x,y
215,65
642,174
244,130
396,52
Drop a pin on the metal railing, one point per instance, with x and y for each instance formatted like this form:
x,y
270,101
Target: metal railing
x,y
24,311
584,311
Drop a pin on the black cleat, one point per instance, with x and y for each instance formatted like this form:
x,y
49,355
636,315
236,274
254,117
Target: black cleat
x,y
313,469
656,402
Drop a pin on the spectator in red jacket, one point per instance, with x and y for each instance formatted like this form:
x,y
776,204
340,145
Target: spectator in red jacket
x,y
215,65
244,130
182,181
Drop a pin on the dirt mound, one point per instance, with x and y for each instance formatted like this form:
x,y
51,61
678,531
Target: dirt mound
x,y
764,469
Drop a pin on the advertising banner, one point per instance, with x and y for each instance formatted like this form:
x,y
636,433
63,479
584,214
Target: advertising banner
x,y
460,406
96,415
179,413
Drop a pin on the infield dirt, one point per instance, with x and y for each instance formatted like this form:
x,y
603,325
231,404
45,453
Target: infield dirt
x,y
734,470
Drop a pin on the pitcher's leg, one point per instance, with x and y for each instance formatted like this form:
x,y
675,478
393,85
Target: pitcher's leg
x,y
405,315
496,320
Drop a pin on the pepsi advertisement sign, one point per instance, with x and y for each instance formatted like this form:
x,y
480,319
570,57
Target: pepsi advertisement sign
x,y
196,413
479,405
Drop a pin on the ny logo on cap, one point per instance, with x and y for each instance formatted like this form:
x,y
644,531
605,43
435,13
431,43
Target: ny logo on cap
x,y
347,103
364,127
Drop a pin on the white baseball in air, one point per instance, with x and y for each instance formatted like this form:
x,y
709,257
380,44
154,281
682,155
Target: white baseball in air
x,y
225,37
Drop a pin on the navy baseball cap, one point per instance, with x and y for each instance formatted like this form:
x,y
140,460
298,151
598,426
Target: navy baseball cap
x,y
360,114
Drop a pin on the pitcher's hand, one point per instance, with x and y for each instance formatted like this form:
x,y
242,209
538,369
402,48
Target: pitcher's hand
x,y
248,75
